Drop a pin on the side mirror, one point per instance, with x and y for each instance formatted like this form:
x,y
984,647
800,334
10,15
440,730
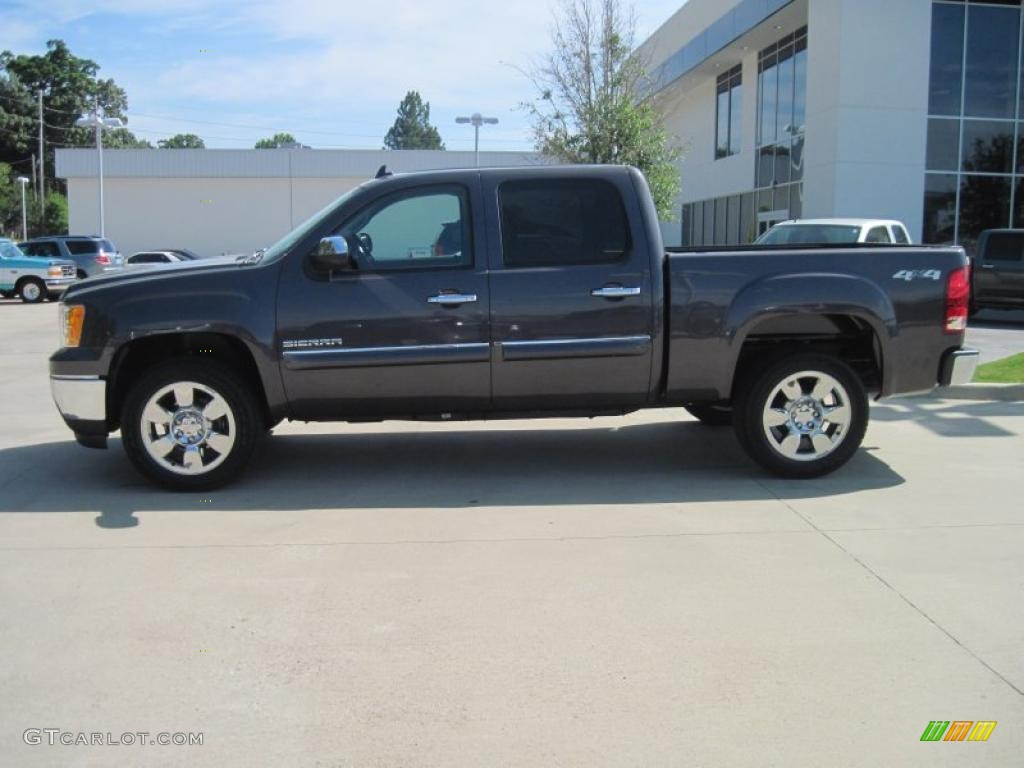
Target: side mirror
x,y
333,254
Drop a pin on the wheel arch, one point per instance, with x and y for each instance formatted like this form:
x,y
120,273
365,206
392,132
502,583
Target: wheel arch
x,y
843,315
133,359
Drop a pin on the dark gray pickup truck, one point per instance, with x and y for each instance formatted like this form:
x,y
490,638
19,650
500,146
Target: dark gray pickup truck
x,y
504,293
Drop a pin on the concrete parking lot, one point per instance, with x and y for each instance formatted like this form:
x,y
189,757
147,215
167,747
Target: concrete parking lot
x,y
614,592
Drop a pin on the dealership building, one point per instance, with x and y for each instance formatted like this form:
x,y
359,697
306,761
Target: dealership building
x,y
902,109
219,201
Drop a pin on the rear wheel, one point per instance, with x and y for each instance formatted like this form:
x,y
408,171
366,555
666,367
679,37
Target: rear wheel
x,y
190,425
711,415
32,290
805,416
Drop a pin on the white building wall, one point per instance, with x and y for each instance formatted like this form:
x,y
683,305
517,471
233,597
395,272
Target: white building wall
x,y
690,117
207,215
867,103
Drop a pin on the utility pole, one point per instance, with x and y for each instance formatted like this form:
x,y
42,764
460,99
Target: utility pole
x,y
22,181
42,163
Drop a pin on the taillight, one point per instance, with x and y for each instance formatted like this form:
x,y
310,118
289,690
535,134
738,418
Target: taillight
x,y
103,258
958,299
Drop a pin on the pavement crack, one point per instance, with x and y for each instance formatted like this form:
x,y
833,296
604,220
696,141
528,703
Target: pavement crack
x,y
825,534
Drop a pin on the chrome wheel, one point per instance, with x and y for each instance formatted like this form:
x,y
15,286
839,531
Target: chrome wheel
x,y
31,291
807,416
188,428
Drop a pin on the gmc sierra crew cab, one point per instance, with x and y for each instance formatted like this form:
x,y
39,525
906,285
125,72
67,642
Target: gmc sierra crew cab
x,y
499,293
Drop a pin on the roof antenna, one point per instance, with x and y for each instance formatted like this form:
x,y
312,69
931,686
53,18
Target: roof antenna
x,y
382,172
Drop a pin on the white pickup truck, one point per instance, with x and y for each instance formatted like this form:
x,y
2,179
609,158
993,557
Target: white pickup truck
x,y
836,232
33,279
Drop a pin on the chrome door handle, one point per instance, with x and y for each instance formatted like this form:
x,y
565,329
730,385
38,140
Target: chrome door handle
x,y
615,292
452,298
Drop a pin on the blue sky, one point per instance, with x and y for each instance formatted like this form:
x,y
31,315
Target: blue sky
x,y
331,73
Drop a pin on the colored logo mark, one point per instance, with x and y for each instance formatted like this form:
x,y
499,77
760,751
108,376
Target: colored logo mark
x,y
958,730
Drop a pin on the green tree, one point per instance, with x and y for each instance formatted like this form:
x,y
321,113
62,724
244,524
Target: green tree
x,y
182,141
412,128
275,141
595,103
56,217
71,88
10,202
54,222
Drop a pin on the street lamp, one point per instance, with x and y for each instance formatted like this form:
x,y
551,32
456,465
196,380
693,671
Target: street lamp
x,y
476,120
94,120
22,181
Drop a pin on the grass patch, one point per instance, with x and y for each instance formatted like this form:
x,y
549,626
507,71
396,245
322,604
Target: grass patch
x,y
1009,370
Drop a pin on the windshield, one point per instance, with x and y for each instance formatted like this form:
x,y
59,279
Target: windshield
x,y
286,242
809,234
9,250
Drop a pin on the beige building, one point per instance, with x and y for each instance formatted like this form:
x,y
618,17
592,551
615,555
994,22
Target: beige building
x,y
216,201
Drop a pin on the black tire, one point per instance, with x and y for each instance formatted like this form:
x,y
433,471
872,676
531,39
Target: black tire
x,y
765,444
712,415
80,274
248,426
32,290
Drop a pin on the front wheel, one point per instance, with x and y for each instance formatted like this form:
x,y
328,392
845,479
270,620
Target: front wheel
x,y
32,291
190,425
802,417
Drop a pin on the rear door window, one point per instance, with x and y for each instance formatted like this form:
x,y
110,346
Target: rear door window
x,y
81,247
562,222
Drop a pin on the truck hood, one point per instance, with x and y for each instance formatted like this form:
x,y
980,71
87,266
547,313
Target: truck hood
x,y
155,273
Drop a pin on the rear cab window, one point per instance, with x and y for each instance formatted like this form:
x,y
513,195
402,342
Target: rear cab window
x,y
562,222
900,235
878,235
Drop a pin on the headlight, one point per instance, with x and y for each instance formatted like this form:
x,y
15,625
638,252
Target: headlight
x,y
53,272
72,319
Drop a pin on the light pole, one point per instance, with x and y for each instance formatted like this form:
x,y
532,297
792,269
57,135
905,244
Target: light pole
x,y
99,123
22,181
476,120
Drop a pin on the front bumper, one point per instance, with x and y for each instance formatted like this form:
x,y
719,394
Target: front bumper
x,y
82,401
958,367
60,284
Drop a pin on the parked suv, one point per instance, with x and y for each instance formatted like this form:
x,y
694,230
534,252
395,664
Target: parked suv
x,y
93,255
